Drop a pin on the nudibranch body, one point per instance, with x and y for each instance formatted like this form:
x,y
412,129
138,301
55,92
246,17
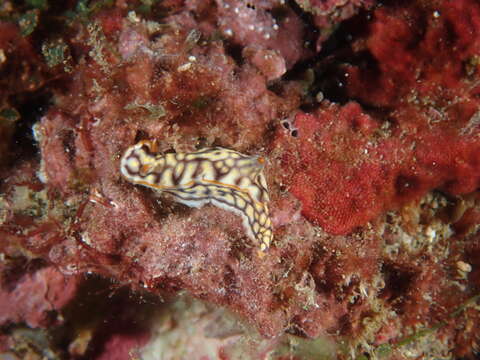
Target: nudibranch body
x,y
222,177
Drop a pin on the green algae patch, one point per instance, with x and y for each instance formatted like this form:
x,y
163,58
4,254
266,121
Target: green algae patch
x,y
28,22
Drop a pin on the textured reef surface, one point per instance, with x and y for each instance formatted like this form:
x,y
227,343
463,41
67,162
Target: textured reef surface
x,y
366,115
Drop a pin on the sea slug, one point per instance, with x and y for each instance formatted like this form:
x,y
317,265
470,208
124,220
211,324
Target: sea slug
x,y
222,177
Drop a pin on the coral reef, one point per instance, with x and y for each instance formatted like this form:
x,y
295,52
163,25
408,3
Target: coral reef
x,y
366,116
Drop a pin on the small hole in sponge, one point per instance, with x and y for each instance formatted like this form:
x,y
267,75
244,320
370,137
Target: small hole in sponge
x,y
406,185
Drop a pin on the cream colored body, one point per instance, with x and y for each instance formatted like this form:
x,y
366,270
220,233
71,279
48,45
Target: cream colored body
x,y
223,177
